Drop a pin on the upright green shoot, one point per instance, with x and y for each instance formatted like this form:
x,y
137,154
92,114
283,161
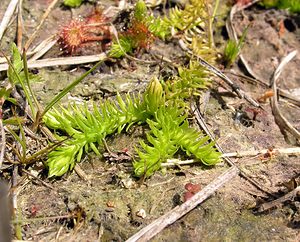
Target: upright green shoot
x,y
73,3
67,89
15,75
233,49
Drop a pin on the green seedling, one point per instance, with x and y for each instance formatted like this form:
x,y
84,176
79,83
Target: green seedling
x,y
291,5
17,75
73,3
188,83
233,49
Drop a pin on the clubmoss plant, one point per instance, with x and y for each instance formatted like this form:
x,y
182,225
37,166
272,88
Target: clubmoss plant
x,y
188,83
81,129
188,22
162,106
169,132
87,129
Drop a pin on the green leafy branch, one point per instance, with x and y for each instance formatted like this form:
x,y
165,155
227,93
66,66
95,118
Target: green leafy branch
x,y
88,128
169,132
188,83
144,27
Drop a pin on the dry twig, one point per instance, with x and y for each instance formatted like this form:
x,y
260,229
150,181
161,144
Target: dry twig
x,y
170,217
37,178
74,60
283,93
292,150
45,15
7,16
239,154
282,122
269,205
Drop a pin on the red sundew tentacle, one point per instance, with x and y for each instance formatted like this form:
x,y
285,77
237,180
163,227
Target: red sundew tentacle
x,y
95,27
72,35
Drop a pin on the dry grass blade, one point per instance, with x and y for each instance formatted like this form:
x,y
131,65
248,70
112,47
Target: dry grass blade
x,y
159,224
38,51
75,60
282,122
2,145
20,26
7,16
283,93
42,48
292,150
234,86
32,37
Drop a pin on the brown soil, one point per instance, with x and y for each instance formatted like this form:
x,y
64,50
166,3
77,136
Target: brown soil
x,y
109,200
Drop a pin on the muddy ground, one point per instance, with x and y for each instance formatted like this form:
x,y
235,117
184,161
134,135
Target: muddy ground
x,y
109,199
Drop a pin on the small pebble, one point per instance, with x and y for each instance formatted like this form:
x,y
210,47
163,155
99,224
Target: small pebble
x,y
141,213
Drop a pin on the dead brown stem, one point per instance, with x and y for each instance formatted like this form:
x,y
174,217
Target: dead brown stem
x,y
170,217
